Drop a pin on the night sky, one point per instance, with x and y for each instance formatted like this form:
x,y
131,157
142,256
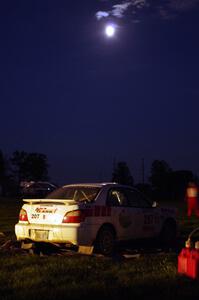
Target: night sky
x,y
86,100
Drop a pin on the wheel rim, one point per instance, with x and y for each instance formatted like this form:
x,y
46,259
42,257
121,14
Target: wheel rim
x,y
106,242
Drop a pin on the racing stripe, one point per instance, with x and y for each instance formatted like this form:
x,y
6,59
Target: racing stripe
x,y
98,211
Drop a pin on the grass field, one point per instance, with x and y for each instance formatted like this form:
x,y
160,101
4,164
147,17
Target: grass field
x,y
151,276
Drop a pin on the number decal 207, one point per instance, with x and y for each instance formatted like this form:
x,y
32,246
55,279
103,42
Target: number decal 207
x,y
35,216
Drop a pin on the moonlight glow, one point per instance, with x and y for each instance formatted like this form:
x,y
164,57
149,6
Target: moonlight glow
x,y
110,30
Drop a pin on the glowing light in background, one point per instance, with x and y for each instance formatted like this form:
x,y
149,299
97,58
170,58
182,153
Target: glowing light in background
x,y
110,30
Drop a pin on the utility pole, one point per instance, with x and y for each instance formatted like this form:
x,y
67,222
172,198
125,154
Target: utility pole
x,y
143,171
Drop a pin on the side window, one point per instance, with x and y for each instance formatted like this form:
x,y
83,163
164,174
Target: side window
x,y
143,201
136,199
117,198
133,200
36,186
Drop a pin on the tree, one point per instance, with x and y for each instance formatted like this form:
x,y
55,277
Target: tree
x,y
36,166
179,181
160,172
29,166
146,189
3,176
18,165
121,174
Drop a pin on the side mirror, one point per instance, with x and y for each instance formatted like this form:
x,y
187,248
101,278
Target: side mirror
x,y
154,204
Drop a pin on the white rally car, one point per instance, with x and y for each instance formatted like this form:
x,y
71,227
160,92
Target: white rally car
x,y
94,214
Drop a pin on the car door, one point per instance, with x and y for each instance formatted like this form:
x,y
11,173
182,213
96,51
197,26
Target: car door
x,y
136,213
147,216
123,219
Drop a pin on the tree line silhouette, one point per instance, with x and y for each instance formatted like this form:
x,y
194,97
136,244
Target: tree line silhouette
x,y
21,166
163,182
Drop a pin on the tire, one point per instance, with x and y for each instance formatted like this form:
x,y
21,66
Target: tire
x,y
168,234
105,242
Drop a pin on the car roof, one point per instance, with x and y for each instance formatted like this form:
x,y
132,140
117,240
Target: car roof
x,y
97,184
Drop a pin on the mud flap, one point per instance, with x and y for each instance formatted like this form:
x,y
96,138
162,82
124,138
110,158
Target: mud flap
x,y
27,246
88,250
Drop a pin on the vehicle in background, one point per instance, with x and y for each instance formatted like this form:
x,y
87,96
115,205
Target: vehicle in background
x,y
96,215
36,188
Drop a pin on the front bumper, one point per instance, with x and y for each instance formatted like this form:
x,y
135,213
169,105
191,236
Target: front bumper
x,y
76,234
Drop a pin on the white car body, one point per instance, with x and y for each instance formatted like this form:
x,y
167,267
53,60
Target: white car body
x,y
42,219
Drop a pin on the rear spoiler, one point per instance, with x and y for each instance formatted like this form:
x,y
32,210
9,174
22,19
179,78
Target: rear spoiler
x,y
62,201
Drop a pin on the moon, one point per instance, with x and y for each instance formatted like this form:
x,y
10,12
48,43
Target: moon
x,y
110,30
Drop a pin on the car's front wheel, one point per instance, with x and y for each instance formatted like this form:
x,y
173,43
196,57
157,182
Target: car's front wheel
x,y
105,242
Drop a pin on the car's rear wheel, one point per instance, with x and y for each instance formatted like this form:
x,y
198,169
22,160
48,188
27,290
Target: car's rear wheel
x,y
105,242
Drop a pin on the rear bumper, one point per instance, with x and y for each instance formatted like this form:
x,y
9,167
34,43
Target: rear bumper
x,y
76,234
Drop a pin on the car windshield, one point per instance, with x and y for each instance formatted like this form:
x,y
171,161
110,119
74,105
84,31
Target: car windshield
x,y
75,193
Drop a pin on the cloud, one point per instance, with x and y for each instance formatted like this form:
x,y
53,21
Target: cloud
x,y
119,9
164,9
102,14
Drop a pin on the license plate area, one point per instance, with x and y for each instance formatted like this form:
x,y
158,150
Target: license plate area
x,y
39,235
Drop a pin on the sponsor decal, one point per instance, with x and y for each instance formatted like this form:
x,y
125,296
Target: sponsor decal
x,y
151,219
46,210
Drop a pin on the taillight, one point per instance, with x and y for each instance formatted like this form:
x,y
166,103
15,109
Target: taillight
x,y
75,216
23,215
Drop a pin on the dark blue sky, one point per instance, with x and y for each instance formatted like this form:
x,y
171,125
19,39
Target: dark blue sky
x,y
84,100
